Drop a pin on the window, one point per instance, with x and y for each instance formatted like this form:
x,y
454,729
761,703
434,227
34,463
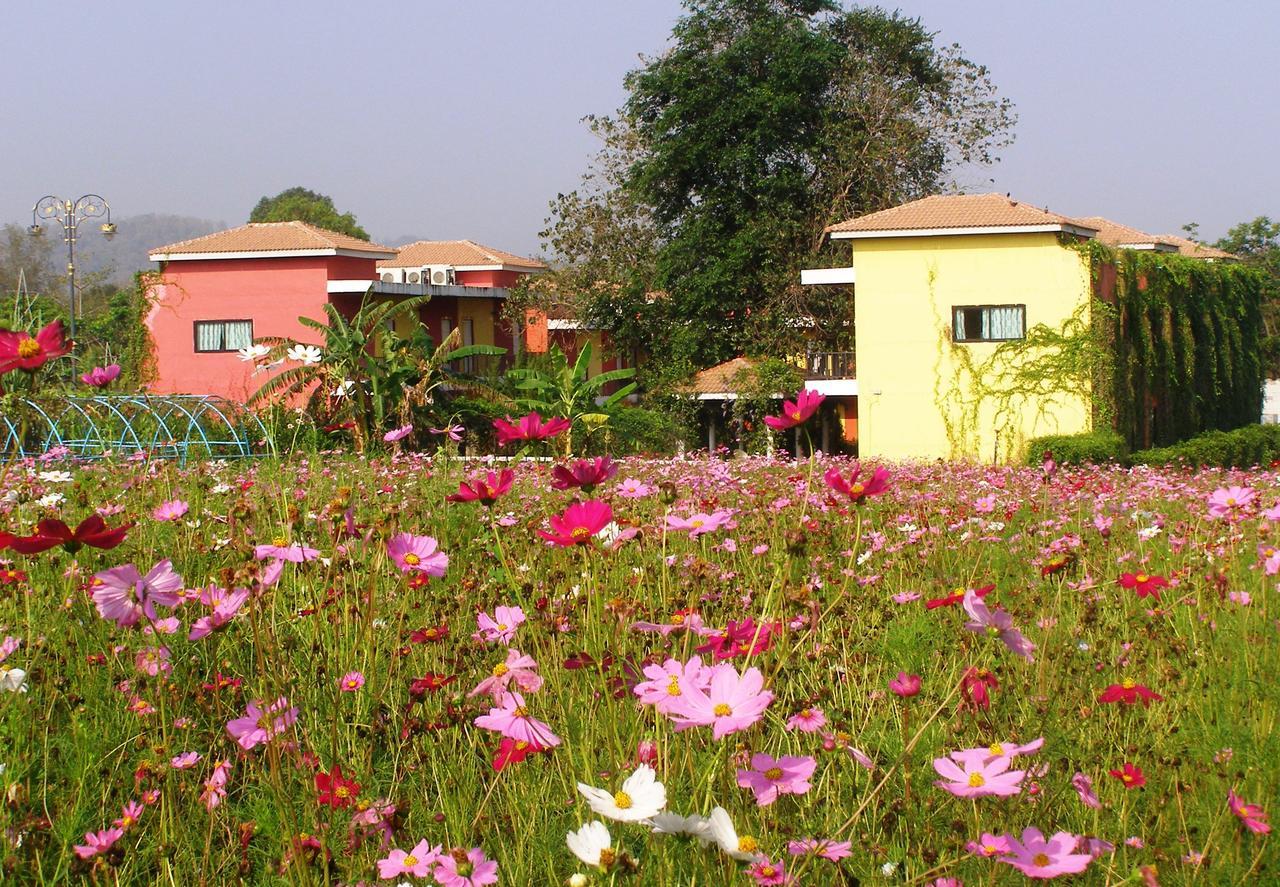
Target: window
x,y
223,335
988,323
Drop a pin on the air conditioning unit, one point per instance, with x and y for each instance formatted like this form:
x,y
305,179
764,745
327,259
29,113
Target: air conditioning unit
x,y
413,277
442,275
388,277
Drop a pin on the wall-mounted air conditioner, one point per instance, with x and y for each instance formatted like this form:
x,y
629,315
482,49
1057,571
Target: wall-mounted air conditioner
x,y
413,277
441,275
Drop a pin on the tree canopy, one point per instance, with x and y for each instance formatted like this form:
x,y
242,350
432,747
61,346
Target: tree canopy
x,y
763,122
1257,243
307,206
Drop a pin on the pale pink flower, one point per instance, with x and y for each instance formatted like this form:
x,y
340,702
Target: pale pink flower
x,y
977,779
98,842
985,754
1229,501
262,724
990,845
833,851
698,524
518,667
1037,857
807,720
667,682
129,815
731,703
418,862
417,554
770,777
998,624
501,626
184,761
511,718
469,869
1084,788
351,682
124,596
170,511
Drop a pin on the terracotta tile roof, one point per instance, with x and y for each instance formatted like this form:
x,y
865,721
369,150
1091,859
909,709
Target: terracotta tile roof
x,y
261,237
1114,234
458,253
722,378
955,211
1198,250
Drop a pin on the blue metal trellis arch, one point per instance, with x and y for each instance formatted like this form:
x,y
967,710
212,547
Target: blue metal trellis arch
x,y
176,426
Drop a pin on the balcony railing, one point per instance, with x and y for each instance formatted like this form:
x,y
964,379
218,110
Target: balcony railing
x,y
830,365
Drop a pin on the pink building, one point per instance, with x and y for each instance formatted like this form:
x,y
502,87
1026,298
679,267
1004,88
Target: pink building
x,y
219,293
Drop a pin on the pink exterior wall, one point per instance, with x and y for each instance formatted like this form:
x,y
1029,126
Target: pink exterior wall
x,y
488,278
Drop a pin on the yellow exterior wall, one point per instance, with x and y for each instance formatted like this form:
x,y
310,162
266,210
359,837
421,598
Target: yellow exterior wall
x,y
481,316
910,372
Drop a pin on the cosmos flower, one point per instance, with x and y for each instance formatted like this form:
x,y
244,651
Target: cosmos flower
x,y
853,488
579,523
1144,584
796,412
586,474
698,524
770,777
262,723
720,830
998,624
501,626
1084,788
101,377
396,434
905,685
417,554
1129,692
335,790
518,668
530,427
98,842
833,851
22,351
417,862
731,702
512,719
170,511
667,682
308,355
253,352
124,596
807,720
50,533
484,490
978,779
1252,815
465,868
1037,857
1230,501
1130,775
593,844
640,798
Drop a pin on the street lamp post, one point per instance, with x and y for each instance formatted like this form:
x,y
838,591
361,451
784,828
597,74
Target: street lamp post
x,y
69,214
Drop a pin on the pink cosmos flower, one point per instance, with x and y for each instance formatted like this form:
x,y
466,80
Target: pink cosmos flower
x,y
417,553
633,489
351,682
905,685
986,754
579,523
855,489
1252,815
796,412
681,620
766,871
484,490
129,815
101,377
977,779
170,511
667,682
1229,501
453,432
731,703
153,660
990,845
466,869
586,474
226,604
215,789
98,842
807,720
501,626
1036,857
530,427
262,724
184,761
998,624
418,862
511,718
1084,788
398,433
698,524
519,668
124,596
771,777
294,554
833,851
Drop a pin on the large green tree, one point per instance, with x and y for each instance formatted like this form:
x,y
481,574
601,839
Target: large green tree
x,y
1257,243
764,121
307,206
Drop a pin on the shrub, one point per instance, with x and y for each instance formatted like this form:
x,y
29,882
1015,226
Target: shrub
x,y
634,430
1097,447
1241,448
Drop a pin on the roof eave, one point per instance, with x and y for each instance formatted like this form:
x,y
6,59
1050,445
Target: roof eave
x,y
161,256
1048,228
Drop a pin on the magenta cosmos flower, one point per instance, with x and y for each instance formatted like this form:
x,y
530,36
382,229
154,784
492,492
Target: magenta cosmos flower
x,y
978,779
417,554
23,351
511,718
484,490
1253,816
171,510
518,668
124,596
856,489
584,473
396,434
998,624
531,427
796,412
468,868
731,702
771,777
101,377
417,862
98,842
1228,501
1036,857
579,523
262,724
905,685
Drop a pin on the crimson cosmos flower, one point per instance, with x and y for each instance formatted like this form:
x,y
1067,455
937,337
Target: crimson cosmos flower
x,y
1130,775
956,597
1129,692
22,351
484,490
530,427
51,532
335,789
857,490
1144,584
796,412
584,473
579,523
513,751
973,687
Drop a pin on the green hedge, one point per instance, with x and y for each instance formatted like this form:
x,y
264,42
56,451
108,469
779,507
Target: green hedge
x,y
1076,449
634,430
1242,448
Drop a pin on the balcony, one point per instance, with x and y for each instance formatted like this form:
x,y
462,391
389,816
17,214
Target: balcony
x,y
832,373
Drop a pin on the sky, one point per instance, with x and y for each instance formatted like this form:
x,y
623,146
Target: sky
x,y
449,120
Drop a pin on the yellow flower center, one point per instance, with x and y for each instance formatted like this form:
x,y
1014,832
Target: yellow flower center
x,y
1141,577
1040,860
673,686
677,619
722,710
342,792
696,522
768,871
608,856
856,489
806,713
773,773
996,749
412,559
502,626
409,860
797,415
580,533
28,348
977,780
500,669
1128,683
747,844
1126,778
622,800
280,542
126,821
521,712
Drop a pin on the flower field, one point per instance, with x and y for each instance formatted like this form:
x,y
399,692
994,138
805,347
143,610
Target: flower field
x,y
329,670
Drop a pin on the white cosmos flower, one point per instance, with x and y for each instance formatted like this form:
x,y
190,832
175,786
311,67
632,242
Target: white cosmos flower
x,y
593,845
344,389
56,477
675,824
641,797
253,352
308,354
50,500
720,829
13,679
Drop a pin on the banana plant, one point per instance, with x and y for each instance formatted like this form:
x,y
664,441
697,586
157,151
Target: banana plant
x,y
558,388
433,372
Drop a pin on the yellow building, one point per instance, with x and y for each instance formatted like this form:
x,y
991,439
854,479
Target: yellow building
x,y
942,283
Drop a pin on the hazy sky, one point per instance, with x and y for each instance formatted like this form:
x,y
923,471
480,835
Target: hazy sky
x,y
462,120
